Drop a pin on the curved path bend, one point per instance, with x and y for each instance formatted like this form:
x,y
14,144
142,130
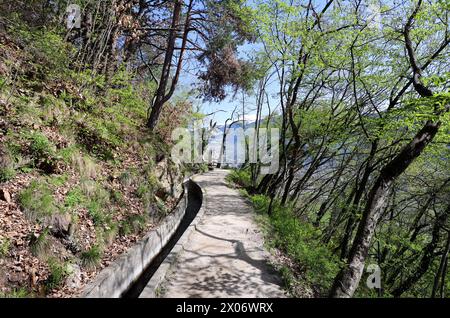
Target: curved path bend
x,y
224,256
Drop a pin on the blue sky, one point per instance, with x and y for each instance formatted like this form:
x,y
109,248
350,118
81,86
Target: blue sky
x,y
189,79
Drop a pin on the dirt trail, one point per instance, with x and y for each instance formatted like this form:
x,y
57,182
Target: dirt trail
x,y
224,256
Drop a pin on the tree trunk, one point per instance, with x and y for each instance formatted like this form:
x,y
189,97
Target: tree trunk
x,y
348,278
441,270
160,95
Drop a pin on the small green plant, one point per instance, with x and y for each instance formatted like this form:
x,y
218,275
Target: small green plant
x,y
126,178
42,151
7,174
5,245
91,258
8,157
39,243
58,180
96,213
58,272
125,228
142,191
20,292
39,144
74,198
117,197
138,222
37,200
287,277
133,224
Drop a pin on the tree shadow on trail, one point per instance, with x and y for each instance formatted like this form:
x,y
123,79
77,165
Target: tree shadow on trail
x,y
235,283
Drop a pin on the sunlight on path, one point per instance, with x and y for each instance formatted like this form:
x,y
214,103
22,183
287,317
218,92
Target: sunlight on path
x,y
225,256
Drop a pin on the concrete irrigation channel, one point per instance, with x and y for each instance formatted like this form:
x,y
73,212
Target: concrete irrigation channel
x,y
147,278
131,272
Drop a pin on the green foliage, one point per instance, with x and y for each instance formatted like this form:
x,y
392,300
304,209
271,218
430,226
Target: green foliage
x,y
21,292
58,180
133,224
91,258
126,178
42,151
239,177
5,245
7,174
97,213
301,241
117,197
95,198
40,244
58,273
37,200
146,189
74,198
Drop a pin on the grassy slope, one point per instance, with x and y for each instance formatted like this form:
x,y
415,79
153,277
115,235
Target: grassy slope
x,y
81,180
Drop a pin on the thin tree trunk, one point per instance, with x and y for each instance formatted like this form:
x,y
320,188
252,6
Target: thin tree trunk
x,y
427,257
440,272
348,278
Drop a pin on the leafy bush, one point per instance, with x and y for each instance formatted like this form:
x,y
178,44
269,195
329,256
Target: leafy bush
x,y
301,241
240,177
42,151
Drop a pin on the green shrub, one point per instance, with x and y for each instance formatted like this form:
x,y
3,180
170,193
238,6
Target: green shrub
x,y
58,180
133,224
8,155
142,191
301,241
39,144
240,177
125,228
117,197
97,213
42,151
